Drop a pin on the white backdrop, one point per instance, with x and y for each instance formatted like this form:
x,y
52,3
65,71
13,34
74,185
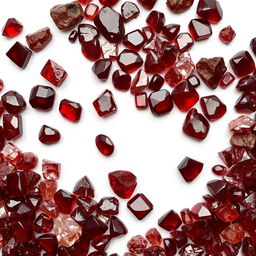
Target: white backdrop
x,y
151,147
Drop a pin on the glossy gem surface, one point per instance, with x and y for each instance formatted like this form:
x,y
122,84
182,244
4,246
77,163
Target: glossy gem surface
x,y
184,42
12,125
129,11
70,110
227,35
91,11
200,29
121,80
156,21
49,135
179,6
104,145
101,69
139,83
134,40
170,221
12,28
13,102
65,201
141,100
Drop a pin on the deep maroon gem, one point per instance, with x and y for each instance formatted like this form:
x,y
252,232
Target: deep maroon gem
x,y
91,49
140,82
184,41
210,10
171,31
65,201
148,33
134,40
42,97
227,35
101,243
156,21
101,69
108,206
178,6
141,100
129,11
170,221
70,110
84,188
104,145
49,135
2,138
232,249
43,223
27,161
180,238
218,188
152,64
247,84
156,83
170,247
168,56
193,81
253,45
48,243
13,102
227,80
246,103
73,36
12,28
19,54
121,80
186,216
173,77
16,184
91,11
12,125
201,212
200,29
219,170
87,33
147,4
117,227
154,250
108,2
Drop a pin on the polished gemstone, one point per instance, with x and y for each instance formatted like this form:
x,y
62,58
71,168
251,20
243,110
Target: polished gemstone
x,y
186,216
108,2
184,65
12,125
12,28
139,83
108,206
227,35
170,221
201,212
180,238
101,69
87,33
219,170
117,227
16,184
152,64
154,237
169,56
101,243
109,50
48,189
246,103
246,84
141,100
84,188
148,33
156,21
104,145
218,188
121,80
178,6
253,45
227,80
200,29
170,247
48,243
147,4
234,233
193,80
91,49
49,135
50,169
13,102
210,10
227,213
91,11
184,41
171,31
11,153
242,125
70,110
191,250
156,82
137,244
129,11
65,201
134,40
49,208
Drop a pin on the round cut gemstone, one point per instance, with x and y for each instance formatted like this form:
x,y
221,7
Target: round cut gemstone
x,y
49,135
13,102
104,145
70,110
219,170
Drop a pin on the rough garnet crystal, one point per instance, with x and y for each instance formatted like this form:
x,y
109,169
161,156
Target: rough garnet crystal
x,y
117,227
101,69
246,84
196,125
84,188
156,83
13,102
87,32
110,24
91,11
49,208
129,61
140,82
66,16
49,135
191,250
137,244
193,81
246,103
186,216
50,169
123,183
12,28
170,221
156,21
184,96
65,201
108,2
27,161
141,100
160,102
12,125
201,212
234,233
184,42
19,54
108,206
38,40
134,40
148,33
48,189
140,206
227,213
243,140
42,97
178,6
154,237
48,243
242,125
190,169
242,63
109,50
171,31
212,107
173,77
43,223
129,11
11,152
73,36
152,64
105,104
168,56
104,145
210,10
227,35
200,29
121,80
70,110
227,80
91,49
169,246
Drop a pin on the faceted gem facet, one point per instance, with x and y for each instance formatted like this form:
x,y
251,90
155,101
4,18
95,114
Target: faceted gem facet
x,y
49,135
200,29
170,221
48,243
50,169
109,50
184,42
227,80
108,206
73,36
154,237
246,103
13,102
242,125
141,100
121,80
156,21
65,201
201,212
134,40
173,77
234,233
12,125
43,223
48,189
180,5
27,161
104,145
12,28
87,33
91,11
140,82
91,49
70,110
101,69
171,31
246,84
156,83
227,35
129,11
84,188
168,57
117,227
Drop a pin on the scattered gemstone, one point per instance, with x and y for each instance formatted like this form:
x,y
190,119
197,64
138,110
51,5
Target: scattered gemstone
x,y
148,33
87,32
50,169
141,100
101,69
227,35
109,50
246,84
147,4
121,80
129,11
12,125
233,234
201,212
73,36
170,221
156,21
65,201
108,2
156,83
91,11
219,170
171,31
27,161
170,247
104,145
184,42
134,40
154,250
108,206
84,188
227,80
210,10
168,57
180,5
12,28
200,29
139,83
137,244
152,64
47,189
70,110
13,102
91,49
154,237
49,135
43,223
173,77
253,45
193,81
246,103
242,125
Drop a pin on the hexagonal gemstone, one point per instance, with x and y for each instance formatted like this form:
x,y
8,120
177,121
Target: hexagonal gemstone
x,y
109,50
191,249
156,21
123,183
196,125
91,49
27,161
121,80
91,11
227,80
43,223
212,107
12,28
227,35
42,97
84,188
160,102
49,135
168,57
137,244
233,234
246,103
110,24
105,104
179,6
19,54
48,243
171,31
184,96
129,61
134,40
154,237
101,69
70,110
141,100
219,170
87,32
170,221
13,102
200,29
211,71
12,125
104,145
50,169
108,206
184,41
156,83
210,10
48,189
65,201
246,84
140,82
140,206
129,11
242,63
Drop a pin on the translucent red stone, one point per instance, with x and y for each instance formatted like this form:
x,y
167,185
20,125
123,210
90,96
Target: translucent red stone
x,y
170,221
137,244
87,33
201,212
123,183
91,11
12,125
156,21
227,80
70,110
105,104
91,49
227,35
65,201
246,84
48,189
84,188
186,216
193,81
233,234
141,100
104,145
50,169
154,237
246,103
179,6
184,41
121,80
148,33
170,247
191,249
108,206
12,28
108,2
171,31
147,4
134,40
129,11
152,64
180,238
101,69
139,83
73,36
156,83
219,170
200,29
48,243
43,223
242,125
253,45
49,135
173,77
117,227
27,161
13,102
169,56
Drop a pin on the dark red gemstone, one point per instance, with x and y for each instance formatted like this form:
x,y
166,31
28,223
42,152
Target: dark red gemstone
x,y
170,247
134,40
156,83
210,10
109,50
148,33
190,169
154,250
147,4
12,28
91,49
156,21
91,11
242,125
186,216
212,107
13,102
104,145
87,33
193,81
201,212
123,183
48,243
140,206
170,221
117,227
101,243
110,24
105,104
184,96
2,138
101,69
184,41
12,125
49,135
65,201
227,35
160,102
173,77
108,2
232,249
180,5
129,61
242,63
169,56
129,11
218,188
108,206
247,84
43,223
42,97
200,29
171,31
70,110
227,80
140,82
27,161
73,36
219,170
141,100
154,237
121,80
246,103
19,54
191,250
152,65
84,188
16,184
180,238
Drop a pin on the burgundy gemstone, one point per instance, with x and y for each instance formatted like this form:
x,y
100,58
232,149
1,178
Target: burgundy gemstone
x,y
49,135
12,28
12,125
2,138
156,83
242,125
170,247
227,80
19,54
253,45
201,212
195,125
87,33
50,169
210,10
173,77
180,238
242,63
65,201
200,29
184,96
70,110
13,102
227,35
91,49
42,97
170,221
184,41
191,250
247,84
171,31
219,170
186,216
91,11
121,80
137,244
190,169
105,104
148,33
110,24
101,69
134,40
48,243
152,63
108,206
117,227
140,82
141,100
193,81
27,161
84,188
156,21
218,188
147,4
48,189
246,103
104,145
160,102
140,206
73,36
101,243
129,61
16,184
123,183
178,6
108,2
129,11
168,56
43,223
154,250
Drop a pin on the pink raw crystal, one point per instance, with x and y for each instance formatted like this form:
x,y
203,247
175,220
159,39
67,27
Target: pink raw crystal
x,y
109,50
185,66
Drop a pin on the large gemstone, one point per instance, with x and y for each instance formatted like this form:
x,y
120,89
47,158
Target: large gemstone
x,y
200,29
156,21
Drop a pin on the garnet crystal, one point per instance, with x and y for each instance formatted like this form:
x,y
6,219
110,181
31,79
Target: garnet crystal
x,y
12,125
129,11
227,35
49,135
121,80
101,69
178,6
170,221
12,28
70,110
200,29
13,102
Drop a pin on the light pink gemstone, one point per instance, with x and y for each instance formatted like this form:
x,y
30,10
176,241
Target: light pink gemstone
x,y
51,170
109,50
49,208
11,152
185,65
234,233
3,212
242,124
66,230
